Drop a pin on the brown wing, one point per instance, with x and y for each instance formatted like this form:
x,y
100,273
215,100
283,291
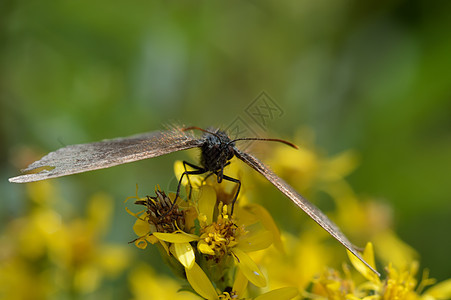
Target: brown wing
x,y
107,153
300,201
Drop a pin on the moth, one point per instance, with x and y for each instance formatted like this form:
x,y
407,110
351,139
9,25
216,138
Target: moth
x,y
217,149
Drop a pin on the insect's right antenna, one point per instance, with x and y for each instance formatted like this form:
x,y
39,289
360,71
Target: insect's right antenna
x,y
269,140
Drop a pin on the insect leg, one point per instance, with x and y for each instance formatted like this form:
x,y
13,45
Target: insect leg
x,y
220,173
195,172
217,173
225,177
189,181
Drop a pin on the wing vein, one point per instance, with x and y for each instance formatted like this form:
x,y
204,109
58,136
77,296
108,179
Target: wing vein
x,y
107,153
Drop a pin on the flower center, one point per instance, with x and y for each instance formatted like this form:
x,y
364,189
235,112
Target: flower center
x,y
221,235
165,216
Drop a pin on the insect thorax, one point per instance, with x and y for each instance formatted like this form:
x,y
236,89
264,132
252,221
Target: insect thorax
x,y
217,150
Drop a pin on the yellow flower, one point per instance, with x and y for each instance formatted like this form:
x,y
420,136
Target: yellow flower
x,y
207,237
305,256
361,219
440,291
203,286
163,222
370,220
307,168
45,254
218,251
398,285
225,236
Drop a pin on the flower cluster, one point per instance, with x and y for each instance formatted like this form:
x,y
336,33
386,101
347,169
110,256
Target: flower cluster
x,y
398,284
204,243
219,254
46,254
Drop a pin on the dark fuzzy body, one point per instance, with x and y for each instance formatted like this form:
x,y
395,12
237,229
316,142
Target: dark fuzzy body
x,y
217,150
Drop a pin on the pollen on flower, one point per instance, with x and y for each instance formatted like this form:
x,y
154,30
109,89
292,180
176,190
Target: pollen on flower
x,y
227,296
400,283
218,237
330,284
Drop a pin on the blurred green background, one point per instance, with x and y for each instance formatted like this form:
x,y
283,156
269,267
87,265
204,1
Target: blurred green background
x,y
374,76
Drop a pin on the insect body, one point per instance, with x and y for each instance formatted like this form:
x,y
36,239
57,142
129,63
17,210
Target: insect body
x,y
216,151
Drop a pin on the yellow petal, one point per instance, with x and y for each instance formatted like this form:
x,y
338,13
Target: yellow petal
x,y
190,217
141,243
185,254
41,192
114,259
207,202
86,279
204,248
151,239
340,165
240,284
141,227
441,290
257,241
392,249
178,171
200,282
268,222
368,256
352,297
282,293
164,246
249,268
176,237
136,215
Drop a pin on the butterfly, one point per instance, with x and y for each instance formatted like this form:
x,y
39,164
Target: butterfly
x,y
217,149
